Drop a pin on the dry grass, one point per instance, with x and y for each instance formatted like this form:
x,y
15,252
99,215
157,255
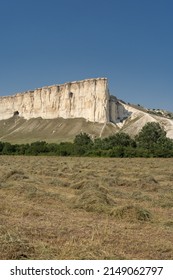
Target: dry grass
x,y
86,208
19,130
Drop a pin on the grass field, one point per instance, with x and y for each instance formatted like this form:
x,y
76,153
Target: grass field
x,y
86,208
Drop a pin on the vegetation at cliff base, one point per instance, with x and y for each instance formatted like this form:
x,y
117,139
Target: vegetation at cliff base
x,y
150,142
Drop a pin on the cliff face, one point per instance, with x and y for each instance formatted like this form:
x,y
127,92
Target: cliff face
x,y
117,111
57,113
87,99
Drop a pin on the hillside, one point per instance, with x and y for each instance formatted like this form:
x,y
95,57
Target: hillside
x,y
20,130
138,117
58,113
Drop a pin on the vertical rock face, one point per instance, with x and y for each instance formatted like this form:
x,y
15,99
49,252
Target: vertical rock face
x,y
117,111
87,99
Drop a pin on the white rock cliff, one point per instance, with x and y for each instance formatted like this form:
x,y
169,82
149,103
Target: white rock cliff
x,y
87,99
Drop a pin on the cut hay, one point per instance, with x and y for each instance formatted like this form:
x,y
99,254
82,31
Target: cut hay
x,y
131,213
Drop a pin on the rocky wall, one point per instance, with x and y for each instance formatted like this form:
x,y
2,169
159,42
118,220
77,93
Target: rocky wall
x,y
87,99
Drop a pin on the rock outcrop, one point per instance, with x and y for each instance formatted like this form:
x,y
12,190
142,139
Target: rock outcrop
x,y
88,99
59,112
84,99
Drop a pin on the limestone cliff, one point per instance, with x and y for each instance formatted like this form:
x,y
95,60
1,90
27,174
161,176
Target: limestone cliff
x,y
59,112
87,99
117,110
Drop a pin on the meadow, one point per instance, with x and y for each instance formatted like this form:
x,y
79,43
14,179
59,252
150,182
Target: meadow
x,y
86,208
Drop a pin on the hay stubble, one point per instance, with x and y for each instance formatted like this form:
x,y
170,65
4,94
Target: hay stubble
x,y
86,208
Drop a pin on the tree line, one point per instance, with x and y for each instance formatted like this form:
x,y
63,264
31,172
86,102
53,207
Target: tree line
x,y
151,141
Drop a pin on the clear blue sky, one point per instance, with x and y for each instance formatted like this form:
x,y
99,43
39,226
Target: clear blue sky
x,y
45,42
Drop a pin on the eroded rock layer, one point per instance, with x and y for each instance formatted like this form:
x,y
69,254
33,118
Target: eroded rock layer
x,y
87,99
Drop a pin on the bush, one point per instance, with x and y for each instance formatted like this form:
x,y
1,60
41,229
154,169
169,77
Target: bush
x,y
150,142
82,144
8,149
150,135
116,152
83,139
65,149
119,139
